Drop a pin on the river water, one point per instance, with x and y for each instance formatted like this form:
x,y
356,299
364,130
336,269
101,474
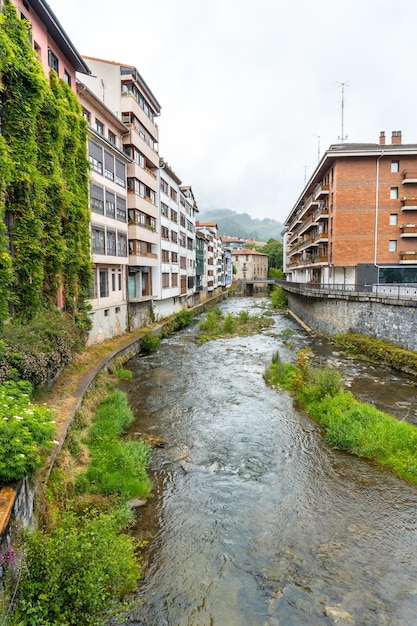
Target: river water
x,y
255,520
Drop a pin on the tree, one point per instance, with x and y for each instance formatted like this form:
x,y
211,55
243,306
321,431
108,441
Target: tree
x,y
274,250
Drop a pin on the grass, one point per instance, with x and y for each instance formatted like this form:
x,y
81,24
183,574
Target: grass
x,y
216,325
350,425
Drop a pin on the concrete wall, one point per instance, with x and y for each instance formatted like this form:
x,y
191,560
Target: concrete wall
x,y
393,321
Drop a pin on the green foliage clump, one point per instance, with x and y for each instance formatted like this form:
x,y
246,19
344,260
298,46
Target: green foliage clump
x,y
116,467
350,425
378,350
274,249
184,318
44,175
37,350
77,571
26,430
215,325
150,343
124,374
278,298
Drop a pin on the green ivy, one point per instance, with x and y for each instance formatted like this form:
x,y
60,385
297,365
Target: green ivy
x,y
44,175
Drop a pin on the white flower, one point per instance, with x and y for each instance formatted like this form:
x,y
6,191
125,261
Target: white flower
x,y
22,455
17,417
55,442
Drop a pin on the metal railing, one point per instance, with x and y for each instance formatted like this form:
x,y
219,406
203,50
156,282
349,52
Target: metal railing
x,y
399,291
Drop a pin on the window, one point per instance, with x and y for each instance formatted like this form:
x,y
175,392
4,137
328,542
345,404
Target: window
x,y
67,77
164,209
173,193
97,241
121,247
86,115
113,280
111,243
394,193
392,247
174,279
174,216
395,166
174,236
97,199
104,283
164,233
165,280
393,219
119,277
108,165
174,257
120,173
112,138
164,186
99,126
121,209
53,61
165,256
95,155
110,204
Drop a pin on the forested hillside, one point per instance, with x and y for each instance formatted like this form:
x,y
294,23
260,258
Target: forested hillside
x,y
242,225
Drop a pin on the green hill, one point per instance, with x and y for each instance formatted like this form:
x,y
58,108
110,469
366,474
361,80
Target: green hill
x,y
234,224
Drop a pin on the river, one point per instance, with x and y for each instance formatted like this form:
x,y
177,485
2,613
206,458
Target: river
x,y
255,520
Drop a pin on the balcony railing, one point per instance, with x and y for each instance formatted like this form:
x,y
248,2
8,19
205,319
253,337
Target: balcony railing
x,y
398,291
408,230
409,176
409,203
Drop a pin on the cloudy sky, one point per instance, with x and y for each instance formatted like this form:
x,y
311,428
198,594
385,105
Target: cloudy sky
x,y
251,89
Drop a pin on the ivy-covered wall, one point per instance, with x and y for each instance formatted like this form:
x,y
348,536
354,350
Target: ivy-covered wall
x,y
44,173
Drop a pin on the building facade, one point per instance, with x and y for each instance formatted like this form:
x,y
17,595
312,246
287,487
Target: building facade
x,y
109,228
355,222
250,265
124,91
52,45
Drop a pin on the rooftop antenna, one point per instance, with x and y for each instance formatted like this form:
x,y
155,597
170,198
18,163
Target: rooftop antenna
x,y
305,174
343,85
318,147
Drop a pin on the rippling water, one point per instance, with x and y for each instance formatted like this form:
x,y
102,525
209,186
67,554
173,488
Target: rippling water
x,y
255,520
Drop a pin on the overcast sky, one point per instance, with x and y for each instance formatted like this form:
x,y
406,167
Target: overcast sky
x,y
250,89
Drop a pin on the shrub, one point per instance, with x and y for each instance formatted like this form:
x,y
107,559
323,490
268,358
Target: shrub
x,y
150,343
25,430
244,316
278,298
124,374
229,324
184,318
75,572
37,350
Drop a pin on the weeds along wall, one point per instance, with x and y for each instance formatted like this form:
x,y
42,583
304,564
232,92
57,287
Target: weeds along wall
x,y
44,174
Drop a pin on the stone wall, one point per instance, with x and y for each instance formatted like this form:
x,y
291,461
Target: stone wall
x,y
388,319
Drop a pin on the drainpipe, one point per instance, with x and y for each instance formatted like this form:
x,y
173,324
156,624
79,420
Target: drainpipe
x,y
377,208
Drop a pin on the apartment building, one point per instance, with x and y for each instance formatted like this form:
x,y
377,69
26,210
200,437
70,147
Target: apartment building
x,y
51,43
214,251
188,212
201,244
124,91
169,198
109,228
250,264
355,222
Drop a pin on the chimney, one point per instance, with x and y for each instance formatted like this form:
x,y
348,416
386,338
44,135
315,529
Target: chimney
x,y
396,137
382,138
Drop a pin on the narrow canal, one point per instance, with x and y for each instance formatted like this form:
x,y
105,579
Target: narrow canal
x,y
254,519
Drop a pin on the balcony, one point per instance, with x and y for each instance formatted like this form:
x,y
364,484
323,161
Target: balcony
x,y
409,204
321,191
409,176
408,230
409,257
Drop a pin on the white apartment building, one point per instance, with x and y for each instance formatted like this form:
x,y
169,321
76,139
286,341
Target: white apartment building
x,y
169,194
124,91
214,255
109,229
188,211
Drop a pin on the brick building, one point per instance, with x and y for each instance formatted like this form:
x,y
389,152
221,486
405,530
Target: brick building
x,y
355,222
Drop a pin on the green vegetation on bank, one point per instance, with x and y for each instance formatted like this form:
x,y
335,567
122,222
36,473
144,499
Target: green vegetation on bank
x,y
278,298
378,350
217,325
350,425
80,562
26,430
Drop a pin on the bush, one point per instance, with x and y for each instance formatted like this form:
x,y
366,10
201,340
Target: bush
x,y
25,430
244,316
229,324
278,298
37,350
150,343
184,318
74,573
